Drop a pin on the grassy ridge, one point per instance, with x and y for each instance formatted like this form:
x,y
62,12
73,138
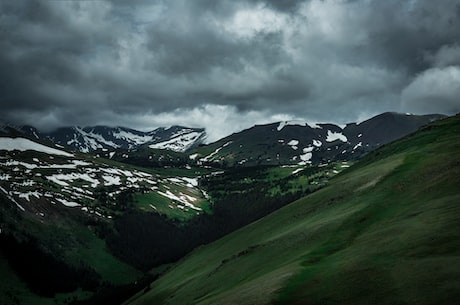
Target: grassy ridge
x,y
73,247
386,231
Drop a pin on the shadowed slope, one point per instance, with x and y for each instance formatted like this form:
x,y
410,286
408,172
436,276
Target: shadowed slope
x,y
387,231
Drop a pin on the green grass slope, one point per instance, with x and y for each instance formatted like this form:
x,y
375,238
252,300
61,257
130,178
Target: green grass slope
x,y
385,231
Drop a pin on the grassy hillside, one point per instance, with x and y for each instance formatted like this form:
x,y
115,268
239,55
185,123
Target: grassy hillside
x,y
385,231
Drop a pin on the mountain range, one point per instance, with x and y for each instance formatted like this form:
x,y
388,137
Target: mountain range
x,y
299,142
90,139
287,142
94,223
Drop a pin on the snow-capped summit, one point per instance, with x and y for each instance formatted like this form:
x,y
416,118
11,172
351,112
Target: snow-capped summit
x,y
89,139
181,141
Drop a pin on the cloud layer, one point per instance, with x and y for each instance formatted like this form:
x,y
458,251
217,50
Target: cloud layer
x,y
225,64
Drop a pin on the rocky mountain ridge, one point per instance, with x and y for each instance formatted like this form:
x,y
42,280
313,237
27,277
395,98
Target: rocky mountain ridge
x,y
90,139
299,142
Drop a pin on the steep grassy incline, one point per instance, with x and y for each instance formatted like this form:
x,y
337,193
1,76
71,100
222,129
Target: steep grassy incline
x,y
386,231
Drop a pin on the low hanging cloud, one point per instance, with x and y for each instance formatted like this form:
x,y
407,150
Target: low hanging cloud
x,y
448,55
221,120
144,64
434,89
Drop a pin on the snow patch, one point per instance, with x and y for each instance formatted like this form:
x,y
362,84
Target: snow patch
x,y
317,143
93,139
314,125
4,177
27,195
22,144
176,180
62,178
119,172
358,145
131,137
306,157
291,123
333,136
182,199
192,182
179,143
26,183
297,123
293,144
80,163
297,171
208,157
111,180
18,163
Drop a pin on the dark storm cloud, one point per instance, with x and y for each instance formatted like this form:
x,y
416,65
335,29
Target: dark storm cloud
x,y
92,62
286,6
403,31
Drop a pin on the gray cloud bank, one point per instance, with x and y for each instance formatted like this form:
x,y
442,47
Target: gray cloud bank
x,y
225,64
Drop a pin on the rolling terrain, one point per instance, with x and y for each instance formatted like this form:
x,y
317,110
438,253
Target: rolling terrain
x,y
76,228
94,228
384,231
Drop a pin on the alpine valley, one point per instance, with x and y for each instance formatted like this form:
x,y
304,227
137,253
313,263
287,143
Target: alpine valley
x,y
284,213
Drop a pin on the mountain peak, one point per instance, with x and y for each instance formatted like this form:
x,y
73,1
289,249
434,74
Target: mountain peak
x,y
301,142
302,123
91,138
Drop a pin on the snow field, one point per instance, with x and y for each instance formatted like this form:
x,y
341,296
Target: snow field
x,y
297,123
22,144
333,136
77,179
179,143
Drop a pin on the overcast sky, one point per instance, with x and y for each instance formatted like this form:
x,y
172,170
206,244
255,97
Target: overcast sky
x,y
225,65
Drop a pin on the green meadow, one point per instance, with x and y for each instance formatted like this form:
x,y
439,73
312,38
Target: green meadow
x,y
384,231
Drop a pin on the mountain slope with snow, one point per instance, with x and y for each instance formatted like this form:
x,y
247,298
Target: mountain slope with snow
x,y
22,144
29,168
58,209
297,142
89,139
